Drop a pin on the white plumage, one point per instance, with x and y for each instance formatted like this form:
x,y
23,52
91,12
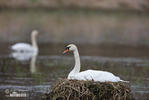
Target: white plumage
x,y
23,56
96,75
25,47
101,76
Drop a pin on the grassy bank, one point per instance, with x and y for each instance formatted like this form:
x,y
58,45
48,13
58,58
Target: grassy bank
x,y
76,26
138,5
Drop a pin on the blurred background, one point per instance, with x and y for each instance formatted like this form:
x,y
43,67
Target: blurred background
x,y
112,35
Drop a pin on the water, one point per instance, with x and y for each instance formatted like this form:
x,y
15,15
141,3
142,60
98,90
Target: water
x,y
35,76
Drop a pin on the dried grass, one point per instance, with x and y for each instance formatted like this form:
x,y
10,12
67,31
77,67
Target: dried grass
x,y
88,90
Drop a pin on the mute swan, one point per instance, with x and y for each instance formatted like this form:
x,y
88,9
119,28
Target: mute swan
x,y
96,75
25,47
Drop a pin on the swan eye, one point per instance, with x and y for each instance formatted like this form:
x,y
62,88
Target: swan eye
x,y
67,48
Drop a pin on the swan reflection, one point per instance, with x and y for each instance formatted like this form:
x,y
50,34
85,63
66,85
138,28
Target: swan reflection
x,y
26,56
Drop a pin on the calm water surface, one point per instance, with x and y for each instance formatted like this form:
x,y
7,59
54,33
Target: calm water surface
x,y
35,76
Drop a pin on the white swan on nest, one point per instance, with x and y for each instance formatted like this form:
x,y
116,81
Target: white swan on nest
x,y
96,75
25,47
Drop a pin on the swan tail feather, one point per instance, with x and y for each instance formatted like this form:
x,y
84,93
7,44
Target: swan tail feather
x,y
124,81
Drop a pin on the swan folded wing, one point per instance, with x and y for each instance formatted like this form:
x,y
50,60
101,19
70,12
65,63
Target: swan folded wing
x,y
101,76
22,47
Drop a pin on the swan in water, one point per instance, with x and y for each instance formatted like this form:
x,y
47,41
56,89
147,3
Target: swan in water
x,y
96,75
25,47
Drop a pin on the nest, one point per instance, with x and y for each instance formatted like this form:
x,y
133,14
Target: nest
x,y
88,90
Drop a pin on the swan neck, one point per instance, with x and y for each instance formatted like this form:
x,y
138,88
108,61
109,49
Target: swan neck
x,y
34,43
76,68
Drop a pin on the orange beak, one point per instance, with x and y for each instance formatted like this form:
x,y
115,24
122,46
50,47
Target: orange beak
x,y
66,51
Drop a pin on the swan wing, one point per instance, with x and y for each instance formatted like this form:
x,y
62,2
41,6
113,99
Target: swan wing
x,y
95,75
22,47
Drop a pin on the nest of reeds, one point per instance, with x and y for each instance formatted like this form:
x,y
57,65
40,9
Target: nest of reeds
x,y
88,90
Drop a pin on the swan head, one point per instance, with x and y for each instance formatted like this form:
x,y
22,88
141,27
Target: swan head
x,y
35,33
70,47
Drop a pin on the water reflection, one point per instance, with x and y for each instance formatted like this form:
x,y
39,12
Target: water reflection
x,y
25,56
33,64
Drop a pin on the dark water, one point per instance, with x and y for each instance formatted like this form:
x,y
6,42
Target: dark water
x,y
34,77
